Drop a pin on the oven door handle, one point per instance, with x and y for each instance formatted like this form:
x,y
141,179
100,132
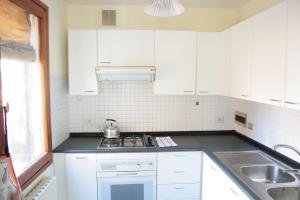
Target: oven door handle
x,y
127,173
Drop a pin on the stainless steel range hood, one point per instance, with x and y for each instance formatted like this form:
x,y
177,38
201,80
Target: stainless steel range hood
x,y
125,73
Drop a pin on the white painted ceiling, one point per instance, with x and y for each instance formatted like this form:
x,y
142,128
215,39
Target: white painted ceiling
x,y
230,4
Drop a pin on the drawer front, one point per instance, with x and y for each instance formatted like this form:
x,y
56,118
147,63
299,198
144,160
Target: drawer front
x,y
178,191
179,167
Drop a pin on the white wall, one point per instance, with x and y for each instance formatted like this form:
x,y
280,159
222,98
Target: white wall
x,y
272,125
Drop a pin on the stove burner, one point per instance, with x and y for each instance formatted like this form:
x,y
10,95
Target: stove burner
x,y
131,141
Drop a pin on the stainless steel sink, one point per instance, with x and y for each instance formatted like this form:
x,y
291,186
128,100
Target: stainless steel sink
x,y
285,193
267,177
267,174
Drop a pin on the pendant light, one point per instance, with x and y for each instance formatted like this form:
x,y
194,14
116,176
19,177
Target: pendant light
x,y
164,8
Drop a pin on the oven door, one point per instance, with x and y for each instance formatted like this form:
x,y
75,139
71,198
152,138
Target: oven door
x,y
127,186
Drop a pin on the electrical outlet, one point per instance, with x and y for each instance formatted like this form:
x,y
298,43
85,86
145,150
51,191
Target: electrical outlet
x,y
219,119
250,126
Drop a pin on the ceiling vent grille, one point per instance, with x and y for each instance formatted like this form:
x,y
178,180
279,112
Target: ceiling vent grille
x,y
109,17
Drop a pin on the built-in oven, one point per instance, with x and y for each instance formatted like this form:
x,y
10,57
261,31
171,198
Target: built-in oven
x,y
126,177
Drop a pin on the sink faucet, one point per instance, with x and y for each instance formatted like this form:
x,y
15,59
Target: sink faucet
x,y
294,171
277,146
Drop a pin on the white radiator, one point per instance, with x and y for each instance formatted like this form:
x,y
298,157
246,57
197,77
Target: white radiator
x,y
44,190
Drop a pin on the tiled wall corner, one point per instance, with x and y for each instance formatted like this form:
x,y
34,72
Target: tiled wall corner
x,y
59,109
272,124
134,106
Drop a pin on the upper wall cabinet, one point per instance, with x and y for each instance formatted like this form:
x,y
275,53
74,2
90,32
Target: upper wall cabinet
x,y
293,59
269,55
213,63
175,61
125,48
241,47
82,62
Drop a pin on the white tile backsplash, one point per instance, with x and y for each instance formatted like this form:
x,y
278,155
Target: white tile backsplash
x,y
59,109
134,106
272,125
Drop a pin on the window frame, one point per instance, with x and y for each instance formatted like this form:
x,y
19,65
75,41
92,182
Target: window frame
x,y
40,10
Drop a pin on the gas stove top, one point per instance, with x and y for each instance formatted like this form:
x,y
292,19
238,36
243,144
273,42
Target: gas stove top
x,y
128,141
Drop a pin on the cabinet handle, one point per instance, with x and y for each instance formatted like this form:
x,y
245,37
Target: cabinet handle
x,y
178,188
204,92
105,62
81,158
127,174
234,192
178,172
292,103
276,100
213,168
89,91
244,95
188,91
179,155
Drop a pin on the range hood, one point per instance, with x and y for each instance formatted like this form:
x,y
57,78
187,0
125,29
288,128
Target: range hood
x,y
125,73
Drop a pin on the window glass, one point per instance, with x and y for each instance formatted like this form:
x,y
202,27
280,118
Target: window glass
x,y
21,88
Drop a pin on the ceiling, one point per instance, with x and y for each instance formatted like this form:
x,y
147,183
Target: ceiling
x,y
230,4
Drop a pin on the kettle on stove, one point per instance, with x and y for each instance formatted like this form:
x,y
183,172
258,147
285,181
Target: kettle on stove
x,y
111,129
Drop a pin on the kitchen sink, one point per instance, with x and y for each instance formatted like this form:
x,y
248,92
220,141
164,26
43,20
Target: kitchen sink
x,y
267,177
267,174
285,193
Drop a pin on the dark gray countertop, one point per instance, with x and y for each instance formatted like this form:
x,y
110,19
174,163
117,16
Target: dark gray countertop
x,y
208,141
217,141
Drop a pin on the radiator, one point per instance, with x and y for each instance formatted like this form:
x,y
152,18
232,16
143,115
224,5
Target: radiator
x,y
44,190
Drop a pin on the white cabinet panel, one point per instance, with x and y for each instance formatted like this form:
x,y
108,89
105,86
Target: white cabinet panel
x,y
178,191
179,167
82,62
213,63
217,185
175,61
269,55
126,48
81,176
293,58
241,46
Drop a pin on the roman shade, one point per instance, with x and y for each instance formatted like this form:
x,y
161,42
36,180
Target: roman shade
x,y
15,33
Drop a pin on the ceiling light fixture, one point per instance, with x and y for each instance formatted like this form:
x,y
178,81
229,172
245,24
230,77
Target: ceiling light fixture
x,y
164,8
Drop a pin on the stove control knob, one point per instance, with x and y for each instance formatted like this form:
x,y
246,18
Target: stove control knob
x,y
138,166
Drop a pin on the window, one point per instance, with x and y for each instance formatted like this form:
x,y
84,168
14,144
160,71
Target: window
x,y
25,86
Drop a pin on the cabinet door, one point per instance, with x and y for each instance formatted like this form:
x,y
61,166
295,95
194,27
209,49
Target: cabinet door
x,y
269,55
213,63
82,62
293,58
81,176
126,48
175,61
241,46
217,185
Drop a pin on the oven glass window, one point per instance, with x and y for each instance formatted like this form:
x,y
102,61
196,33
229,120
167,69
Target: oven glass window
x,y
130,192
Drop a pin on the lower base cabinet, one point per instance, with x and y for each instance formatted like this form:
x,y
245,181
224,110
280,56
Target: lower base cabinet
x,y
179,175
81,176
217,185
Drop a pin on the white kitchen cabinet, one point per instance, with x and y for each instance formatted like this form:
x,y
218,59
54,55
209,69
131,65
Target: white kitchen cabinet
x,y
175,61
217,185
241,47
213,63
126,48
82,62
81,176
179,175
292,99
269,55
